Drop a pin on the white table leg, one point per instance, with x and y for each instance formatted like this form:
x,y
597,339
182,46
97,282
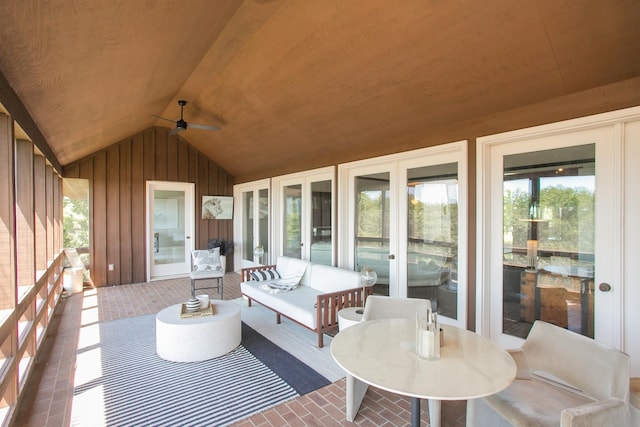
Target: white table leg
x,y
355,393
470,412
434,412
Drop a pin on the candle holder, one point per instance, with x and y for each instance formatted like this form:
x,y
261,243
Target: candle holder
x,y
427,336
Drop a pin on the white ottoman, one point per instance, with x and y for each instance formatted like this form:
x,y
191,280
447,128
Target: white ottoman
x,y
349,317
199,338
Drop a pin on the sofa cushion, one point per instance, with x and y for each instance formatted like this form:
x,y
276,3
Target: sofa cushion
x,y
297,304
325,278
262,275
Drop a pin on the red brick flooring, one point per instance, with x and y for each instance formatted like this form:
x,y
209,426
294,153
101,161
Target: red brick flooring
x,y
48,397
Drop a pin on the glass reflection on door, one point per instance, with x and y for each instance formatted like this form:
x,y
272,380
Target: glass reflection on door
x,y
549,239
247,226
292,230
168,227
263,224
372,204
255,226
432,230
321,241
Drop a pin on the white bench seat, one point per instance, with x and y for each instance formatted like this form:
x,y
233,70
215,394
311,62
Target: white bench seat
x,y
322,292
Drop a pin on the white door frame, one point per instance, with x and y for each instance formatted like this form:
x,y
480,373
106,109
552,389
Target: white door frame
x,y
304,179
605,130
189,224
396,165
238,230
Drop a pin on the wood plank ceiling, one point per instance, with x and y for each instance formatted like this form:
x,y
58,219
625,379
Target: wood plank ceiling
x,y
301,84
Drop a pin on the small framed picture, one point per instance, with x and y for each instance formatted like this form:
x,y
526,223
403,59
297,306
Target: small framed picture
x,y
217,207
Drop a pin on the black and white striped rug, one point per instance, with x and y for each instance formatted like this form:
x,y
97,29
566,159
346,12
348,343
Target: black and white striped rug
x,y
121,381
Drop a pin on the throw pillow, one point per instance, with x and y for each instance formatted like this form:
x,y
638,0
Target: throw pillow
x,y
206,260
262,275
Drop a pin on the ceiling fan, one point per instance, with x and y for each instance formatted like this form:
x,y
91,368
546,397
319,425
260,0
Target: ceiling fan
x,y
183,125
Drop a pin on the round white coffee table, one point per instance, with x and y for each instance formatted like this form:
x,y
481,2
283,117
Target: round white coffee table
x,y
198,338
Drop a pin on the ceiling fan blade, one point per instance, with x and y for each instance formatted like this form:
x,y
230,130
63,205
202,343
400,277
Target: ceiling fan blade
x,y
175,130
205,127
163,118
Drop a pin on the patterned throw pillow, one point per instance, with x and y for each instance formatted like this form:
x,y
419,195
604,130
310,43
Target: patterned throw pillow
x,y
262,275
206,260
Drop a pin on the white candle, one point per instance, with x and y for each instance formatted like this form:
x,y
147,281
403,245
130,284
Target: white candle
x,y
204,301
427,344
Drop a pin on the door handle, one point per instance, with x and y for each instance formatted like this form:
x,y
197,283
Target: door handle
x,y
187,237
604,287
392,256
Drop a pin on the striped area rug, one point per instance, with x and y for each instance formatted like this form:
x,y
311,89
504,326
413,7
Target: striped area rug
x,y
121,381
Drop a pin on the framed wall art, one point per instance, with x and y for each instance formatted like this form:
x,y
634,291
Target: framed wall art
x,y
217,207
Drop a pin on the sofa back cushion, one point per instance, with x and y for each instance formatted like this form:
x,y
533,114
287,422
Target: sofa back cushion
x,y
598,370
293,269
325,278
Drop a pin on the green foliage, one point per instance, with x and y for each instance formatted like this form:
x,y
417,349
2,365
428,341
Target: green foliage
x,y
75,223
568,214
433,221
292,237
370,212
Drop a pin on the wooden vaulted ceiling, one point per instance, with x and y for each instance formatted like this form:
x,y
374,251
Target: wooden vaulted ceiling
x,y
301,84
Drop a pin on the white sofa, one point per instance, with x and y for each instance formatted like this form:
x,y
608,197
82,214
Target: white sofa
x,y
563,379
314,303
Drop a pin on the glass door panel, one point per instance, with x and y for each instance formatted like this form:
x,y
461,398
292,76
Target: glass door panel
x,y
292,229
407,219
321,231
168,227
251,228
263,225
371,240
549,239
170,220
303,206
432,236
247,225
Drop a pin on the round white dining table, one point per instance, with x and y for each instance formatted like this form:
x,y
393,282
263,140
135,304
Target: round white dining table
x,y
382,353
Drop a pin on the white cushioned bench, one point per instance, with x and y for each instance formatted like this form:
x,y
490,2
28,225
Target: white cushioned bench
x,y
314,303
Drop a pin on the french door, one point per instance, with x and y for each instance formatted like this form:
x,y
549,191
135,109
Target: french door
x,y
251,230
170,228
304,215
551,231
405,216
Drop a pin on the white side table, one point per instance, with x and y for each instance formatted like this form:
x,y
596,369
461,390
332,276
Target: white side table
x,y
195,339
349,317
